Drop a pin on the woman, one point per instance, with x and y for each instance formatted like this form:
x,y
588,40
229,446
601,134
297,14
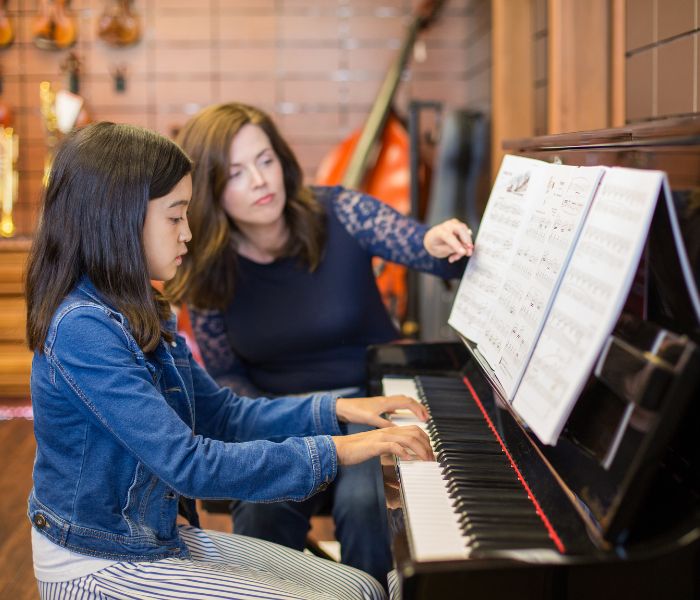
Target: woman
x,y
283,297
128,426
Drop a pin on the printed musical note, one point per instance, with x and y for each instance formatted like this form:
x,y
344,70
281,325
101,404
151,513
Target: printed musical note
x,y
536,268
507,211
592,290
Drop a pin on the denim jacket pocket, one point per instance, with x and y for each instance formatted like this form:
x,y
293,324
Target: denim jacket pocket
x,y
103,544
150,503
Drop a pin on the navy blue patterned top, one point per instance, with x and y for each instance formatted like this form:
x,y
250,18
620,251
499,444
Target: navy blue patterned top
x,y
291,331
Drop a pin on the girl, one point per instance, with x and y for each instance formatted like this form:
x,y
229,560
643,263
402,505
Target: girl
x,y
283,297
128,426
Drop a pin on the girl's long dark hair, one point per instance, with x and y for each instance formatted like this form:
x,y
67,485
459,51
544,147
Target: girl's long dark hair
x,y
207,275
93,212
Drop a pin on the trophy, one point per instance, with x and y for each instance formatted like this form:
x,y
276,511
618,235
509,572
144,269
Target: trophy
x,y
47,101
61,112
8,179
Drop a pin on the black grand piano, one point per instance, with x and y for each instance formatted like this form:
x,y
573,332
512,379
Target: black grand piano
x,y
613,509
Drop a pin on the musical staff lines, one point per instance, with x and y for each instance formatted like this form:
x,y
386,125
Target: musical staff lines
x,y
561,199
590,296
554,260
506,213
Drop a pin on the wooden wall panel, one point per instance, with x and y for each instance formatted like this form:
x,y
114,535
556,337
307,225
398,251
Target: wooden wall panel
x,y
661,58
676,76
512,74
579,62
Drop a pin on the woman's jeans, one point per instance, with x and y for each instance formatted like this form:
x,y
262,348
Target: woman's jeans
x,y
356,500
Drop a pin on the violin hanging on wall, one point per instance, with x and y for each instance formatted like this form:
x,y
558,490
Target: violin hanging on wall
x,y
54,28
119,24
375,160
7,32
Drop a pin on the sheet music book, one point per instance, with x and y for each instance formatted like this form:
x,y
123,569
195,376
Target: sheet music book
x,y
561,198
560,283
503,220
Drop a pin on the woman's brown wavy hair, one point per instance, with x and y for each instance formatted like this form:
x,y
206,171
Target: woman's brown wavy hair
x,y
206,278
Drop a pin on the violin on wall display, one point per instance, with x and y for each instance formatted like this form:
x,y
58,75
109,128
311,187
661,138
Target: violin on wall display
x,y
119,25
55,27
375,160
7,32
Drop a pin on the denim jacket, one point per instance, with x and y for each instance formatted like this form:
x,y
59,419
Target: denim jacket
x,y
121,435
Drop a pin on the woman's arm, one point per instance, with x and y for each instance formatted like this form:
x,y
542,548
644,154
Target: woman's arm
x,y
386,233
209,328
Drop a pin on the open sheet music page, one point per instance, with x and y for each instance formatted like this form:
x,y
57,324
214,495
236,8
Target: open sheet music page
x,y
503,221
560,207
589,300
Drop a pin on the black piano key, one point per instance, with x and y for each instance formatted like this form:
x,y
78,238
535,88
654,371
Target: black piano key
x,y
511,544
466,444
504,510
483,449
495,512
456,465
485,485
512,525
459,428
504,530
485,478
469,497
487,494
466,461
468,451
509,515
506,533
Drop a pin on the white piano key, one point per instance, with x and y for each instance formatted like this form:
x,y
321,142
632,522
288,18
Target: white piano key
x,y
433,524
400,385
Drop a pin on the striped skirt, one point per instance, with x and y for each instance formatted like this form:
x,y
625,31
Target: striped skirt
x,y
223,565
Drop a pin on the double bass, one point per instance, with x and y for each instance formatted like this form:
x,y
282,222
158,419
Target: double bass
x,y
375,159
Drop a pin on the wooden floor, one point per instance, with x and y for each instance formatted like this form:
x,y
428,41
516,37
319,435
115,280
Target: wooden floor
x,y
17,448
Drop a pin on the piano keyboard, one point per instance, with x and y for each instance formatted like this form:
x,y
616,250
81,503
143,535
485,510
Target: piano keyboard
x,y
471,501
